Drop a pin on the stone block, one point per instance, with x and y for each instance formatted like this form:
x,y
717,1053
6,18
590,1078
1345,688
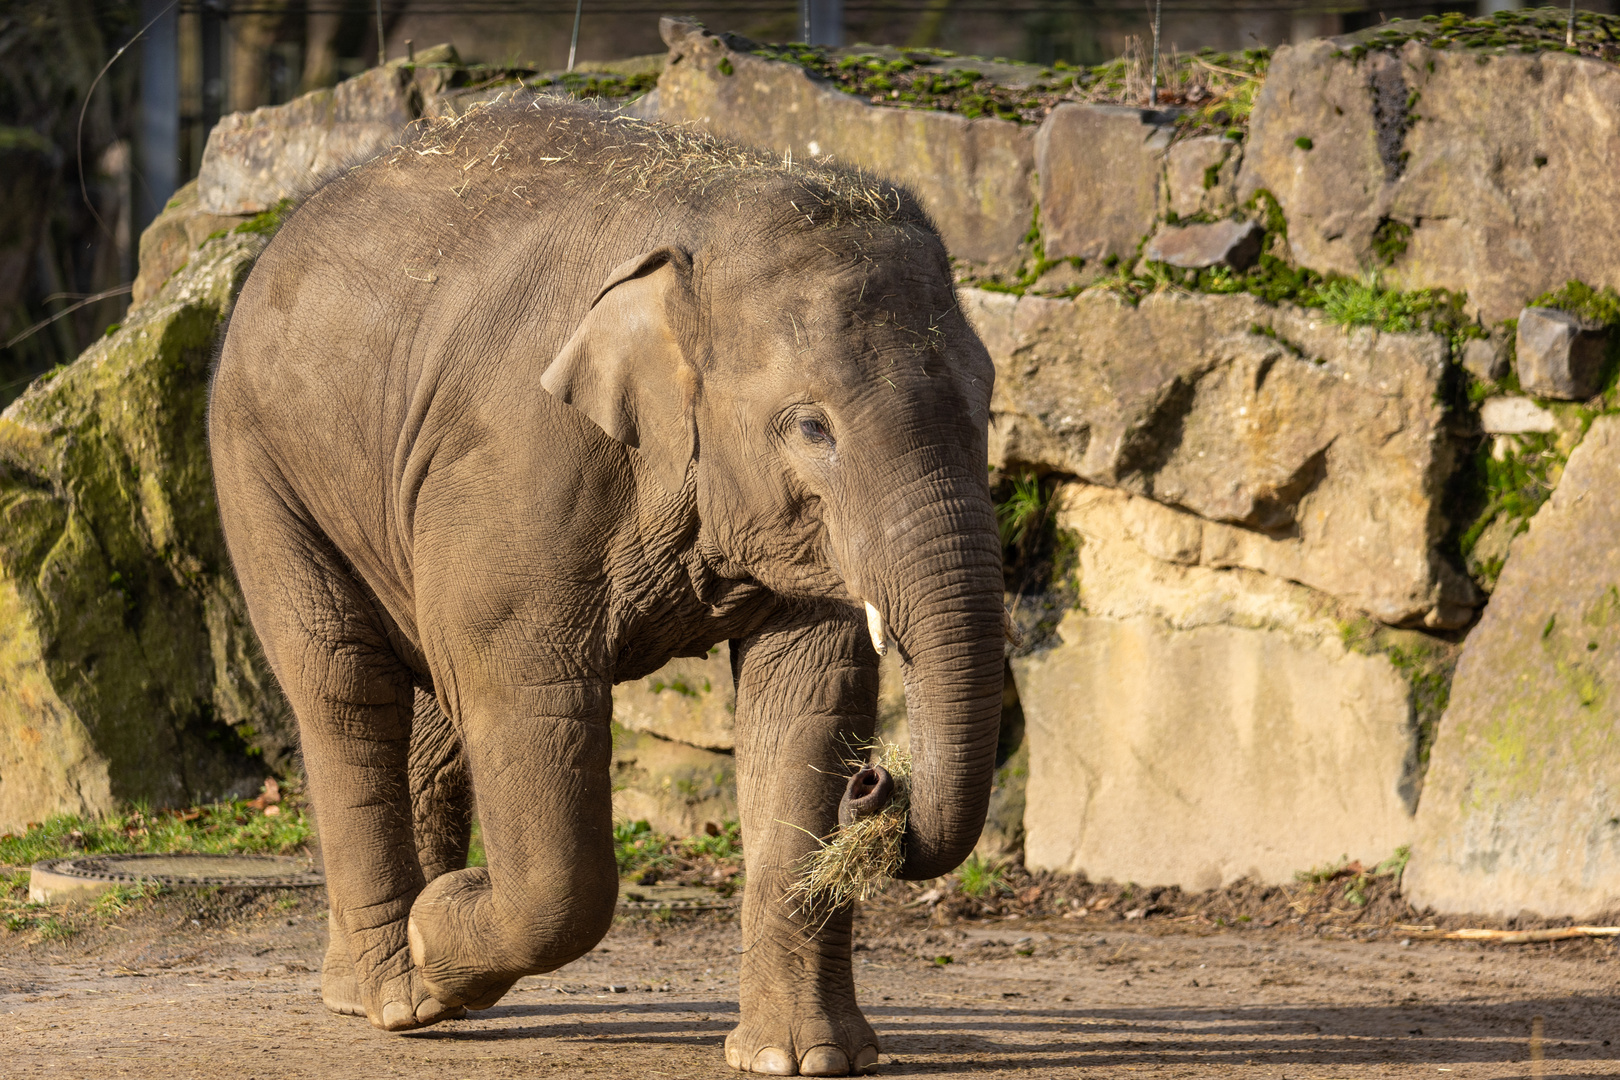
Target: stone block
x,y
1485,359
1559,356
1186,711
689,700
1514,416
1201,175
1216,243
1100,169
1521,808
128,668
1312,452
675,788
255,159
974,177
1493,160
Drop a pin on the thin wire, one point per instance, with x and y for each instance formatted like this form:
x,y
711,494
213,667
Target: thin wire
x,y
78,134
70,309
573,43
382,42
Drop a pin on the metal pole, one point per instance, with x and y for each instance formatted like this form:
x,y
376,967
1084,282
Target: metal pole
x,y
1153,72
1569,34
573,43
382,42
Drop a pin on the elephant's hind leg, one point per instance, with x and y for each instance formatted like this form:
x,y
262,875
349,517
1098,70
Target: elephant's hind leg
x,y
324,637
441,813
441,790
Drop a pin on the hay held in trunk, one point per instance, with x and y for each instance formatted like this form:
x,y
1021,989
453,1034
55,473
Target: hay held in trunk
x,y
857,859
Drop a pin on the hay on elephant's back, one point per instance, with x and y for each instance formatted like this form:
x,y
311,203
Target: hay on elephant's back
x,y
857,859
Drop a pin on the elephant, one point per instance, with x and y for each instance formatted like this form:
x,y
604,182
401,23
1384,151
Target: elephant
x,y
538,400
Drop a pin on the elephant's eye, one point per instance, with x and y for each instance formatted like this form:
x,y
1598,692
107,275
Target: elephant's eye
x,y
815,431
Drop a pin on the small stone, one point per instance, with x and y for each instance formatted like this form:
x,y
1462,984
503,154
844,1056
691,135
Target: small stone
x,y
1485,359
1193,247
618,989
1560,355
1514,416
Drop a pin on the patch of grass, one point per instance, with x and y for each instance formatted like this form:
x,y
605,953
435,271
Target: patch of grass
x,y
1514,485
637,848
981,878
217,828
1023,510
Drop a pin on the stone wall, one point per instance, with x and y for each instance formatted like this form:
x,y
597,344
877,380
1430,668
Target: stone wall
x,y
1282,537
1274,524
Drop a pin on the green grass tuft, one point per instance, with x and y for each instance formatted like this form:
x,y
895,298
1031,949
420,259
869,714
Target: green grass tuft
x,y
217,828
980,878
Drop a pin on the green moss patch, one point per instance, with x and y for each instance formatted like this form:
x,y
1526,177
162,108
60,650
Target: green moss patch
x,y
1425,662
1529,30
1218,89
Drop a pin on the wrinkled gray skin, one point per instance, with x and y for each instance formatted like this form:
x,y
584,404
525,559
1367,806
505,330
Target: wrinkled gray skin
x,y
532,405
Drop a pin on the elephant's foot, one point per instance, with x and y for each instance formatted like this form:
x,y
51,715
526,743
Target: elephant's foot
x,y
801,1042
468,991
400,1002
340,990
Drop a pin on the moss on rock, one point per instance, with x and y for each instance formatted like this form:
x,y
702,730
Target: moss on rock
x,y
128,670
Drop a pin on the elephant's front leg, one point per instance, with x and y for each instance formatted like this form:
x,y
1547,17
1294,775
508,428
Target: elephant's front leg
x,y
806,703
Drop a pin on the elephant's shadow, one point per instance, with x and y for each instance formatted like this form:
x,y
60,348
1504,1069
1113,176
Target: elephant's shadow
x,y
967,1040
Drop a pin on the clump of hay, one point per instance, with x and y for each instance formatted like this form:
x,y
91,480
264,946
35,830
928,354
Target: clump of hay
x,y
857,859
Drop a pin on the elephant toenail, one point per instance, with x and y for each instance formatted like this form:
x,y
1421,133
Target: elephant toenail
x,y
866,1059
773,1061
397,1015
824,1061
734,1058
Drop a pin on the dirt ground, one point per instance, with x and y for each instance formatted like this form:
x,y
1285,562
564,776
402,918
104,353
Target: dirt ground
x,y
228,987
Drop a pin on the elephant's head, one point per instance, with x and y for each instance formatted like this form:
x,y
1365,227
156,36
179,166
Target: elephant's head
x,y
805,375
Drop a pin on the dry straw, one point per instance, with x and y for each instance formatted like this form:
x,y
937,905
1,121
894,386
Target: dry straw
x,y
857,859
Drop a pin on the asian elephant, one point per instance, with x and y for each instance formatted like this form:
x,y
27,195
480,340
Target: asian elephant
x,y
533,403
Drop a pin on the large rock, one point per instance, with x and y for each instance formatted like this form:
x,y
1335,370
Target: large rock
x,y
1100,169
1522,804
255,159
128,669
1187,713
1312,452
1506,167
973,176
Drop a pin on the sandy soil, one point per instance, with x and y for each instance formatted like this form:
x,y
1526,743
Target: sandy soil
x,y
229,988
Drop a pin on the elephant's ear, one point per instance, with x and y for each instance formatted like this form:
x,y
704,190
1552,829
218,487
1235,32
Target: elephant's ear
x,y
629,368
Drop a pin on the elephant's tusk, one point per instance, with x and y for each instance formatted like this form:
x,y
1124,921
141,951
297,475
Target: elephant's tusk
x,y
874,626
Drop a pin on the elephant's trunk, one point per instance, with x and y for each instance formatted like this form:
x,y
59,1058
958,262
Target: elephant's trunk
x,y
942,608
